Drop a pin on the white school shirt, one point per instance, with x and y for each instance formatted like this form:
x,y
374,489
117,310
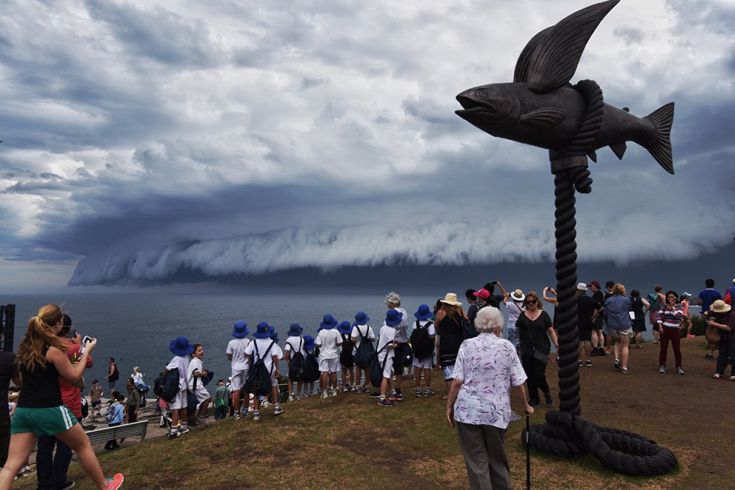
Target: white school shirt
x,y
365,330
387,335
236,348
328,342
195,364
263,345
182,364
292,346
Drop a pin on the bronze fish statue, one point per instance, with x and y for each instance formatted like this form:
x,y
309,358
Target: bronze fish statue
x,y
541,108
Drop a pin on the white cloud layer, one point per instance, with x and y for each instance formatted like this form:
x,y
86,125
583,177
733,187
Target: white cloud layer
x,y
244,137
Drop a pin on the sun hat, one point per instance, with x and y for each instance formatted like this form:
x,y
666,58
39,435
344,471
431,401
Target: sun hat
x,y
581,287
181,346
240,330
720,306
361,318
308,342
393,318
263,331
517,295
423,312
345,327
482,293
451,299
328,321
295,330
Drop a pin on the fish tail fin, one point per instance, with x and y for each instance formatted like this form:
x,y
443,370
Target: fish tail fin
x,y
660,149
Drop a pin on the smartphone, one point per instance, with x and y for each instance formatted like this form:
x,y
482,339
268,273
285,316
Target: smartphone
x,y
86,339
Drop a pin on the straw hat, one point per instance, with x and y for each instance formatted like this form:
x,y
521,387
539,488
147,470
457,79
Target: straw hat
x,y
451,299
720,306
517,295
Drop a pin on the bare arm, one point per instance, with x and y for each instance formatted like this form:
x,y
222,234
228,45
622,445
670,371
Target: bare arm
x,y
554,338
547,297
275,366
70,372
523,394
451,398
502,290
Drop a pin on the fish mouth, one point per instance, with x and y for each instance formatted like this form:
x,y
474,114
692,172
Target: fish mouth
x,y
471,105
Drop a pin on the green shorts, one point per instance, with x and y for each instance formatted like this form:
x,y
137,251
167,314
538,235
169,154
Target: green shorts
x,y
42,421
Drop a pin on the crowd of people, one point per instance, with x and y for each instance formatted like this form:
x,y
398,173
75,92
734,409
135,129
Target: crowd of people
x,y
481,353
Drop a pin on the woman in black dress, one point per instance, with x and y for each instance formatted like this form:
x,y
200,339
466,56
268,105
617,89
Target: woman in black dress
x,y
638,306
449,334
534,329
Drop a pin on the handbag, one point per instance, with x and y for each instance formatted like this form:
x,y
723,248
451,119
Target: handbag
x,y
712,334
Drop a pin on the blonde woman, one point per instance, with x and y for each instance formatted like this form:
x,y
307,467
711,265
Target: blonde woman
x,y
41,360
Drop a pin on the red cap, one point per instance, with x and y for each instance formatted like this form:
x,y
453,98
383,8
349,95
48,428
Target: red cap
x,y
482,293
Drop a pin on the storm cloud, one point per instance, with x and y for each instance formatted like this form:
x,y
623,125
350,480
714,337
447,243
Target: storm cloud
x,y
226,138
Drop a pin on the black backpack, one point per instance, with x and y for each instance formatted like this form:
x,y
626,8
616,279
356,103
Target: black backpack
x,y
311,367
345,356
377,367
423,345
297,364
365,351
259,381
167,385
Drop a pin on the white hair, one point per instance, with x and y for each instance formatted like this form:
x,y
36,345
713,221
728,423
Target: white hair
x,y
393,298
489,319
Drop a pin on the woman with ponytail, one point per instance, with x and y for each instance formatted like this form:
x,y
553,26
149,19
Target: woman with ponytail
x,y
41,360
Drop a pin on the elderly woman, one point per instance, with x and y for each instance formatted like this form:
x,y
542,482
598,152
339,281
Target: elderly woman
x,y
479,400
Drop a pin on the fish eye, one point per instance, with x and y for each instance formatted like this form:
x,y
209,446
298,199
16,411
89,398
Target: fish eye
x,y
484,93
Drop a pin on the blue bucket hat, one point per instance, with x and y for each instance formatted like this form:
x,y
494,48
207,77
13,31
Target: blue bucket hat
x,y
240,330
295,330
345,327
274,334
263,331
361,318
423,313
308,342
181,346
328,322
393,318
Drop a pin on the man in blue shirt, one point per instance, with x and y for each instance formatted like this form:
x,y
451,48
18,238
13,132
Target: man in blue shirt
x,y
706,297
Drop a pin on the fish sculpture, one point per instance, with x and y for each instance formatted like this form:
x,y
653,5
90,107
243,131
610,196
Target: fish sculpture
x,y
541,108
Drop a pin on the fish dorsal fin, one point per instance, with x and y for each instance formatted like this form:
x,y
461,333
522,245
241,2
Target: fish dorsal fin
x,y
551,63
619,149
521,72
546,117
593,155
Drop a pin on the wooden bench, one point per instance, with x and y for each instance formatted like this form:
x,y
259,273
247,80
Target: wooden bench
x,y
136,429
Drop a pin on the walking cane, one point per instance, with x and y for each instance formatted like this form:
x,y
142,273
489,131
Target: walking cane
x,y
528,452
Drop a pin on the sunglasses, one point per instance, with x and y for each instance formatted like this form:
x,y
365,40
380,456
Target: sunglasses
x,y
531,302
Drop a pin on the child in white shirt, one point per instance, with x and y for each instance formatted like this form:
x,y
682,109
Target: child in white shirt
x,y
329,340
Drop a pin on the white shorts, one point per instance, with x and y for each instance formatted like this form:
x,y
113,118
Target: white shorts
x,y
180,401
201,393
328,365
388,368
422,363
274,378
238,379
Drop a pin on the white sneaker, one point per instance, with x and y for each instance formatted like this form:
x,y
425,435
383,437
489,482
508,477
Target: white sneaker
x,y
277,410
256,416
325,394
333,393
291,397
265,404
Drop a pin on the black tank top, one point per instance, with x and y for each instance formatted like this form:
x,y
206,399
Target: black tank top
x,y
450,338
40,387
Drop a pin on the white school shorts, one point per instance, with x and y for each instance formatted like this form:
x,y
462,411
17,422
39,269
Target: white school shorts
x,y
180,401
238,379
328,365
201,393
422,363
388,368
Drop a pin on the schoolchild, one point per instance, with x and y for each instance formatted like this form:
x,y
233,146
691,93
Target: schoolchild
x,y
115,414
311,354
274,397
294,344
361,331
236,354
95,398
197,375
346,355
328,340
423,365
221,396
386,352
181,348
263,347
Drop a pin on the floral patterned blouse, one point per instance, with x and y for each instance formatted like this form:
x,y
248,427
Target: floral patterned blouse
x,y
487,366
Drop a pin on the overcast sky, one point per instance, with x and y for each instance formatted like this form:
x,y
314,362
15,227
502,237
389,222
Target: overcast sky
x,y
147,139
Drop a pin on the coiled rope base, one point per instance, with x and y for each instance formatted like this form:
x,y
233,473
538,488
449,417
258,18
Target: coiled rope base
x,y
568,435
565,432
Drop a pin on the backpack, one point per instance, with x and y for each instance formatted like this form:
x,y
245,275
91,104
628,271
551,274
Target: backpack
x,y
421,342
365,351
259,380
653,300
167,385
468,329
345,356
297,364
311,367
376,367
